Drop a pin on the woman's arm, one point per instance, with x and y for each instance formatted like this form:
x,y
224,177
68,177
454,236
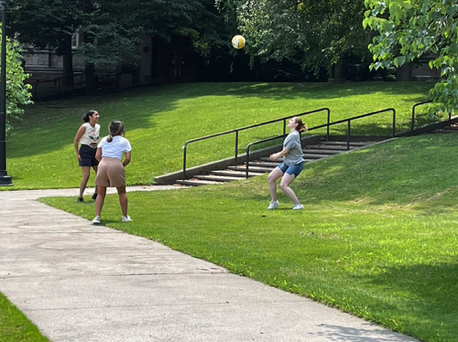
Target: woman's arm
x,y
77,138
280,154
98,154
126,159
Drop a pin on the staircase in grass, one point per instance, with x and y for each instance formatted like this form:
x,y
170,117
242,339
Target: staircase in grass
x,y
263,165
317,147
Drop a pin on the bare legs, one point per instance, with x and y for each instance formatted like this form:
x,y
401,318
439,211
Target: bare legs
x,y
86,174
272,179
100,200
122,199
95,170
284,185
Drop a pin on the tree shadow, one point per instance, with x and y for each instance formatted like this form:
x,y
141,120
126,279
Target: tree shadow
x,y
321,91
340,333
430,289
53,125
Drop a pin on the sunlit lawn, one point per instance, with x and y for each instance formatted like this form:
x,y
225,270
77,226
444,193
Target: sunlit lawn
x,y
378,236
159,120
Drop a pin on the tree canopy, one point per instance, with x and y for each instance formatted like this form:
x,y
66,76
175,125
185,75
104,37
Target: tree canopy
x,y
409,29
111,29
313,33
17,92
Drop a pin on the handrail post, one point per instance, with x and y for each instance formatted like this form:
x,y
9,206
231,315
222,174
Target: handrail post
x,y
284,126
236,146
329,119
184,162
412,122
394,122
247,160
348,134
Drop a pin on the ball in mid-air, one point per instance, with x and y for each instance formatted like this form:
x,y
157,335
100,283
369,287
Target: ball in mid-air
x,y
238,42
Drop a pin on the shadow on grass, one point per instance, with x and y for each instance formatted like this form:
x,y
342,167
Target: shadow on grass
x,y
321,90
432,292
52,125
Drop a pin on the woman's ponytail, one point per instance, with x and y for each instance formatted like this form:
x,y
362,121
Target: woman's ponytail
x,y
85,117
115,128
301,127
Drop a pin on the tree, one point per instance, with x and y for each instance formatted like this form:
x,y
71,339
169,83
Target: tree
x,y
48,24
408,30
313,33
111,29
17,92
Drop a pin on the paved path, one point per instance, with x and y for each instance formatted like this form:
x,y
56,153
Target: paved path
x,y
79,282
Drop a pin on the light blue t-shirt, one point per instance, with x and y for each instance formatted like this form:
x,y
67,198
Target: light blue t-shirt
x,y
293,143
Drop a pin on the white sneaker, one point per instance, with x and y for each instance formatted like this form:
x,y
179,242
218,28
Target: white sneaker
x,y
273,205
298,207
96,220
126,219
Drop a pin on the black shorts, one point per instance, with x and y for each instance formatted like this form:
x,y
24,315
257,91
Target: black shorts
x,y
87,154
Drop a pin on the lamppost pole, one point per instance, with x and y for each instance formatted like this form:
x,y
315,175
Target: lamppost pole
x,y
4,178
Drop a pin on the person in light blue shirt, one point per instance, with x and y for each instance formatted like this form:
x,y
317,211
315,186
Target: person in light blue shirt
x,y
290,168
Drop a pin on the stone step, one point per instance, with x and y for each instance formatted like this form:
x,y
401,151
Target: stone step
x,y
336,148
232,173
252,169
196,182
320,151
267,159
264,164
215,178
315,156
344,143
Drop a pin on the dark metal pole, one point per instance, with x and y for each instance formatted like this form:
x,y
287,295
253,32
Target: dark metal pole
x,y
4,178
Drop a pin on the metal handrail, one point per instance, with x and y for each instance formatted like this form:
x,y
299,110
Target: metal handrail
x,y
236,131
349,120
412,123
58,82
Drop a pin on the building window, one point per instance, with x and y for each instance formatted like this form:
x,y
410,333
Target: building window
x,y
76,40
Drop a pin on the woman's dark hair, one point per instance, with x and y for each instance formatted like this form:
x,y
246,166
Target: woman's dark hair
x,y
301,127
86,116
115,128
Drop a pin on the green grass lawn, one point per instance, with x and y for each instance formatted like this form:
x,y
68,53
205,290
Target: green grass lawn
x,y
14,326
378,237
159,120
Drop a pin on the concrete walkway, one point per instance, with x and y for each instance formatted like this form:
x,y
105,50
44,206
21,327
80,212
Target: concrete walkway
x,y
79,282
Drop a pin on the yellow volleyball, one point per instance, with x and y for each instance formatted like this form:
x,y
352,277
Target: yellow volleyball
x,y
238,42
